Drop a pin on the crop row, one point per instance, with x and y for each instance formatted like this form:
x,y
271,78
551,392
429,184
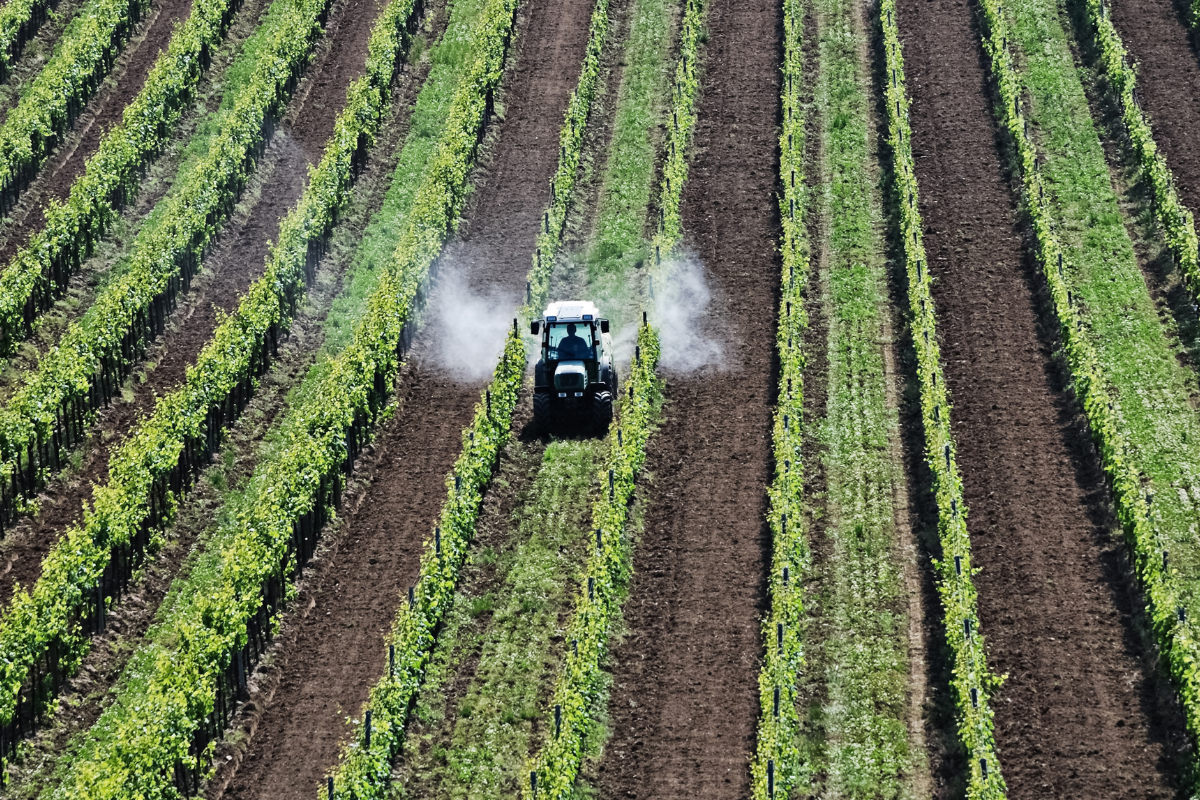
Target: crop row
x,y
578,690
679,132
181,706
1165,593
19,22
364,765
562,187
41,269
579,687
776,769
971,681
152,468
83,57
51,410
1176,221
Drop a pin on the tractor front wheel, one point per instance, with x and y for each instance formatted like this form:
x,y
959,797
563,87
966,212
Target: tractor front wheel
x,y
541,412
602,411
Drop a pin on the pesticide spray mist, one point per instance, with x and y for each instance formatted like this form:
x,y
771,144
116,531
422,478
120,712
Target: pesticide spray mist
x,y
467,329
685,318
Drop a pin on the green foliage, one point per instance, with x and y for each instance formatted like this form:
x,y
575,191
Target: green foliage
x,y
1176,221
778,766
293,491
619,244
363,771
112,175
145,472
19,22
580,683
81,60
1123,372
971,680
570,147
679,131
85,367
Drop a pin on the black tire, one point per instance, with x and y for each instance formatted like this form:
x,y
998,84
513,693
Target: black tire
x,y
602,410
541,412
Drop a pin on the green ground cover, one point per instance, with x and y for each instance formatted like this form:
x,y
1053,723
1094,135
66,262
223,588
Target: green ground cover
x,y
1151,391
858,743
519,650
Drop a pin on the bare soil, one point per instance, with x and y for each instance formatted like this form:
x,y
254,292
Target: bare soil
x,y
1080,715
87,694
685,679
237,260
1159,43
326,665
103,112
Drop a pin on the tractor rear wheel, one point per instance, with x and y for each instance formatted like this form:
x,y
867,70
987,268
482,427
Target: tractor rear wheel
x,y
541,412
602,410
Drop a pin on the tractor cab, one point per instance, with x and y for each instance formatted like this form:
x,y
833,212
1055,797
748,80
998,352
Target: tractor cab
x,y
575,379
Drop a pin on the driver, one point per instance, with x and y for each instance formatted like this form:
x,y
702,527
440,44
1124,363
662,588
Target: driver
x,y
572,346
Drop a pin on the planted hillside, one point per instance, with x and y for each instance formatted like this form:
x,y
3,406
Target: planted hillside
x,y
41,270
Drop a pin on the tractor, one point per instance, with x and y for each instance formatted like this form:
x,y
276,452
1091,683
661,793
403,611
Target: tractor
x,y
575,379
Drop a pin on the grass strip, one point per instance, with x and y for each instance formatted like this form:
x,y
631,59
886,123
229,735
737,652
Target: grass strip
x,y
364,764
579,108
1176,222
864,747
778,765
685,91
52,410
40,271
627,187
972,682
226,608
83,57
1125,375
579,687
151,469
579,691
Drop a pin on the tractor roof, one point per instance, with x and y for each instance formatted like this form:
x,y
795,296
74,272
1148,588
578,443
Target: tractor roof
x,y
572,311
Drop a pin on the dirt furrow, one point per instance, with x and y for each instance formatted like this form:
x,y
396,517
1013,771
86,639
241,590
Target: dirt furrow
x,y
1168,67
235,262
1079,715
698,587
102,113
87,694
327,662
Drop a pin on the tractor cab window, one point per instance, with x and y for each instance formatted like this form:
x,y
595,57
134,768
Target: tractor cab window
x,y
569,341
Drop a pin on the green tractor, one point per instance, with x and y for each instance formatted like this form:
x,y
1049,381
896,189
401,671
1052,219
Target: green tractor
x,y
575,379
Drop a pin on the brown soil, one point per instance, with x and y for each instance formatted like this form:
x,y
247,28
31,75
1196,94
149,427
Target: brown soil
x,y
699,572
1079,715
326,666
237,260
87,694
1169,84
103,112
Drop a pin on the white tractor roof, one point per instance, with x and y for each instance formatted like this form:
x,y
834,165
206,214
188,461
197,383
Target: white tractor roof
x,y
572,310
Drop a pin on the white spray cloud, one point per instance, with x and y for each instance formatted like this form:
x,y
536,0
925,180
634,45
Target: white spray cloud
x,y
466,330
687,326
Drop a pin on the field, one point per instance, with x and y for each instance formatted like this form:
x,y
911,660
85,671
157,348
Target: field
x,y
896,493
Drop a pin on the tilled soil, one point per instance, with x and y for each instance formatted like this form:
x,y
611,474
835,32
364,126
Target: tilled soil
x,y
1078,715
103,112
685,679
327,666
87,694
1168,84
238,259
